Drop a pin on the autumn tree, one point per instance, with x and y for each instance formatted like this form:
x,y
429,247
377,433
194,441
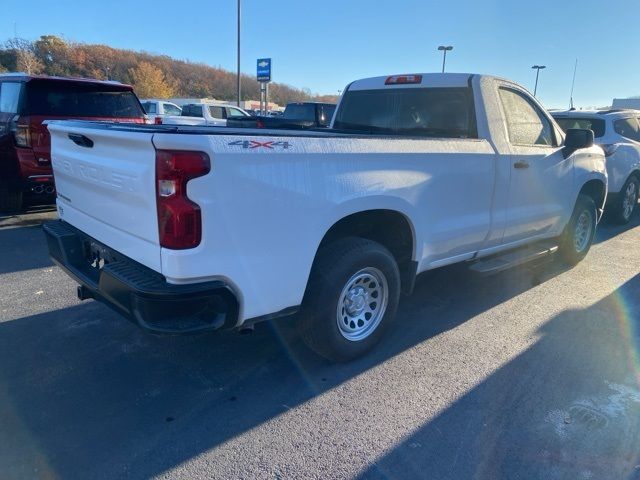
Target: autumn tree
x,y
53,52
152,75
150,82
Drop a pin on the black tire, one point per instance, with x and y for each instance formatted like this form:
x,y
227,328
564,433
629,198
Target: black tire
x,y
623,208
339,265
11,200
572,249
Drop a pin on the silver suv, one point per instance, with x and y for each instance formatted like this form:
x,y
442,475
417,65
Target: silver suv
x,y
618,133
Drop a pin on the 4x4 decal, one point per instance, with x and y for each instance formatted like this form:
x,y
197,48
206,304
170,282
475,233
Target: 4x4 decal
x,y
251,144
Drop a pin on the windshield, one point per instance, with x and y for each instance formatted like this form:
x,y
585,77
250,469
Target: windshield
x,y
433,112
78,100
595,124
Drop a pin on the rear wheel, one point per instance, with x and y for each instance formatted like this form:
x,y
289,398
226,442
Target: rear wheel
x,y
627,200
577,237
351,299
11,200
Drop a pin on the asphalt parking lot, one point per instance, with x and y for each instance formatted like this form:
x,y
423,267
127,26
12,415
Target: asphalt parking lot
x,y
533,373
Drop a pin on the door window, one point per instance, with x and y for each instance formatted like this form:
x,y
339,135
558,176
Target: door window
x,y
149,107
526,124
170,109
234,112
216,112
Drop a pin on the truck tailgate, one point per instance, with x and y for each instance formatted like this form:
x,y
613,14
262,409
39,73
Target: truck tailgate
x,y
105,181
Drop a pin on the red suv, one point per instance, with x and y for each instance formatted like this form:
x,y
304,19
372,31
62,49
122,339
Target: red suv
x,y
26,101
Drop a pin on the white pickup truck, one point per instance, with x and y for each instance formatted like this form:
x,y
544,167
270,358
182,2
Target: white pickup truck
x,y
192,228
214,115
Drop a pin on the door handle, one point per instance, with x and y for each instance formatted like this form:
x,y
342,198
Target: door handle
x,y
521,165
81,140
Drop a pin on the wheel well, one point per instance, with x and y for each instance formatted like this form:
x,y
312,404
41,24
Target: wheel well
x,y
596,190
387,227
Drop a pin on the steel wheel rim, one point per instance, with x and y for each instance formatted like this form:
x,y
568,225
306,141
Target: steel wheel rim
x,y
362,304
582,232
630,199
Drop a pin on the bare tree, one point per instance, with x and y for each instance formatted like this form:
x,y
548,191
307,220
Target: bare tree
x,y
26,59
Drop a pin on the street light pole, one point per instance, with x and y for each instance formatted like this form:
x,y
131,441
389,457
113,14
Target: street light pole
x,y
238,85
537,68
444,50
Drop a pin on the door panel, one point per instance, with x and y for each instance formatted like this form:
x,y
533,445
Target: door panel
x,y
539,191
541,178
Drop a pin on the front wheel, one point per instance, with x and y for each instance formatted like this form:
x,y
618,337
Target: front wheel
x,y
351,299
626,202
577,237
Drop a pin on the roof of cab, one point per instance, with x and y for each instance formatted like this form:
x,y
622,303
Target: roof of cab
x,y
619,113
25,77
428,80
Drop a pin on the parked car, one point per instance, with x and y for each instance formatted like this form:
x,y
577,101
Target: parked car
x,y
224,228
160,108
206,114
618,133
26,101
303,115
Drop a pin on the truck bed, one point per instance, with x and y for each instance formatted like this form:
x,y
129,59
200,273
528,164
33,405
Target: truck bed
x,y
231,131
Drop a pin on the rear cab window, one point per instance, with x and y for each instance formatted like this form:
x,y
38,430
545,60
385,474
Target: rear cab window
x,y
300,111
597,125
75,99
71,99
442,112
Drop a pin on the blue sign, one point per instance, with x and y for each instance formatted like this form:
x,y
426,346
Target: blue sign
x,y
264,70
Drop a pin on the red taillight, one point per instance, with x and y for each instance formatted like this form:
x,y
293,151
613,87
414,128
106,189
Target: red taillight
x,y
403,79
179,219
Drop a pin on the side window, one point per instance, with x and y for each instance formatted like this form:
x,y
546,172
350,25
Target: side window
x,y
196,111
170,109
217,112
150,107
234,112
10,96
628,128
526,125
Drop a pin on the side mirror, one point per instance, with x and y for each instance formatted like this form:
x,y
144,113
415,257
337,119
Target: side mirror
x,y
576,139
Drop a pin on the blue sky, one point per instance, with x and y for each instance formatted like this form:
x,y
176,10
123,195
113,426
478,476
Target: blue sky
x,y
325,44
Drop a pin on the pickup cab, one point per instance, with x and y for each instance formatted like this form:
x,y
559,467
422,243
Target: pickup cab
x,y
184,229
215,115
299,115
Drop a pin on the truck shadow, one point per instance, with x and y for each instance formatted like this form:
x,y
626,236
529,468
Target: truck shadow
x,y
608,229
21,248
567,407
83,392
